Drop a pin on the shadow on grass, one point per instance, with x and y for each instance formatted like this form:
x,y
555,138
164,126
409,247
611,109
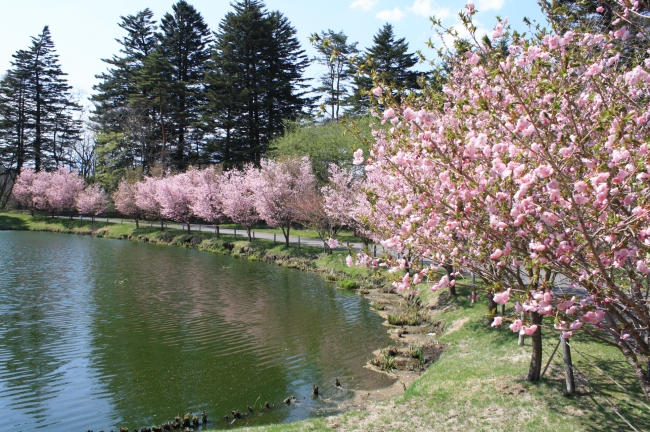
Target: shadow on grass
x,y
69,223
598,399
594,388
180,238
9,222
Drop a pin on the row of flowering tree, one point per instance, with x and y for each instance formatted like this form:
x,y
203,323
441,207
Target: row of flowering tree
x,y
532,164
280,193
60,191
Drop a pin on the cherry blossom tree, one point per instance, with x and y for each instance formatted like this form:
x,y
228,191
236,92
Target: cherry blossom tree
x,y
125,199
176,196
147,198
312,214
92,200
208,201
239,197
346,203
283,184
25,189
529,165
62,191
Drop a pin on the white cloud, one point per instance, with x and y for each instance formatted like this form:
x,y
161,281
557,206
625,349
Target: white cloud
x,y
428,8
364,4
484,5
391,15
463,33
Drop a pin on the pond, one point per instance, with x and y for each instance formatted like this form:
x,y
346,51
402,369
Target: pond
x,y
99,334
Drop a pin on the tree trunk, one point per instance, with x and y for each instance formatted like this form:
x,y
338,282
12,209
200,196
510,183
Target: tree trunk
x,y
188,227
535,370
450,269
137,225
217,226
286,234
492,306
162,224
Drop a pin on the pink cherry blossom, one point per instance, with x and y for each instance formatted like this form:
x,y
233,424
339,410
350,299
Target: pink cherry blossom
x,y
208,201
61,194
282,185
516,326
92,200
125,200
502,297
240,199
575,325
175,194
26,189
496,254
358,157
528,331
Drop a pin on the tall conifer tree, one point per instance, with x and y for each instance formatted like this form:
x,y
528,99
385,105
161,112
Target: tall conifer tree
x,y
117,85
127,136
184,40
255,82
38,125
387,61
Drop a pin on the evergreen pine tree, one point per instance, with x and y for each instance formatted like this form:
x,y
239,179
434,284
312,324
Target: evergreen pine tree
x,y
117,85
38,127
184,40
154,90
387,61
14,107
126,133
334,53
255,82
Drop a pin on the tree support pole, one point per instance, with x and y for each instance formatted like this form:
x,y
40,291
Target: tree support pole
x,y
568,366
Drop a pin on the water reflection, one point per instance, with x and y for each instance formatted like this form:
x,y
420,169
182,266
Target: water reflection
x,y
97,333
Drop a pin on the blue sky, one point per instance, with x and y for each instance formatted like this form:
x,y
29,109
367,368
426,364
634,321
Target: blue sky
x,y
84,31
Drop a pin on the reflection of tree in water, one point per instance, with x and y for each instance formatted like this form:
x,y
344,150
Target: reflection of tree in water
x,y
326,334
38,293
160,351
172,330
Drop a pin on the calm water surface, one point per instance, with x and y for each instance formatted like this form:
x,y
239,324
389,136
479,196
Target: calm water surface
x,y
98,334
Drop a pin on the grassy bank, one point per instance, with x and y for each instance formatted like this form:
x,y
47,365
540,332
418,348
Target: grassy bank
x,y
304,257
477,384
